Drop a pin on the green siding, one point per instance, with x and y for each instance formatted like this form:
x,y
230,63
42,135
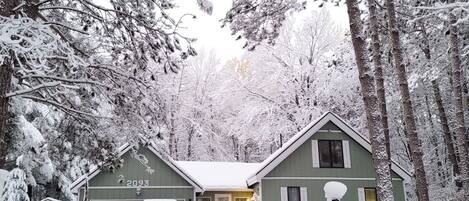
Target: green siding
x,y
271,188
132,169
299,163
116,194
234,194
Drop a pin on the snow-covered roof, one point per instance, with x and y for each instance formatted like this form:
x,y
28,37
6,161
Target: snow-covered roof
x,y
217,176
3,178
298,139
49,199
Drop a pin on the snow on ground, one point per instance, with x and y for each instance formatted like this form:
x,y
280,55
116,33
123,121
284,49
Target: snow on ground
x,y
3,178
219,175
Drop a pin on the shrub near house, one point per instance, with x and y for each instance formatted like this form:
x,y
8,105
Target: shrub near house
x,y
325,150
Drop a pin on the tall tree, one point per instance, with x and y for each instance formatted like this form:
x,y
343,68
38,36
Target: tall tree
x,y
461,136
375,42
409,117
370,99
448,139
6,72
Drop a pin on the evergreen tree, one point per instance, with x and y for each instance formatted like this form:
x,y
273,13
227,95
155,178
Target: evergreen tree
x,y
15,188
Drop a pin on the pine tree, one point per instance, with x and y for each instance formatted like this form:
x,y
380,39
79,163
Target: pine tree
x,y
409,117
15,188
370,99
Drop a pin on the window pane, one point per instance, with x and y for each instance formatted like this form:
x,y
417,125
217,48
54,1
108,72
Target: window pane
x,y
324,153
337,154
293,193
370,194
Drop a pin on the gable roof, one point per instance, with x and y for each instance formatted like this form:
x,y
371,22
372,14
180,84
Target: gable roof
x,y
298,139
220,176
152,146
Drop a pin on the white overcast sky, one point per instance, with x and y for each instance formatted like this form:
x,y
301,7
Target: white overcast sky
x,y
206,28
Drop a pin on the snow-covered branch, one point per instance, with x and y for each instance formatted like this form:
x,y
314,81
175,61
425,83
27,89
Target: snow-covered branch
x,y
446,6
67,27
62,107
77,81
32,89
71,9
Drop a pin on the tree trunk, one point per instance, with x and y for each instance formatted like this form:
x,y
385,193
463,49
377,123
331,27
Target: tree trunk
x,y
189,141
370,100
171,140
435,141
281,140
374,24
6,73
414,141
445,127
235,147
465,89
457,90
246,153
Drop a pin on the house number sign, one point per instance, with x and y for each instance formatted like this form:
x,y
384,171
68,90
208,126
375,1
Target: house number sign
x,y
137,183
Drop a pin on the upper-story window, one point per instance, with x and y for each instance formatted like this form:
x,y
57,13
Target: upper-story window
x,y
331,154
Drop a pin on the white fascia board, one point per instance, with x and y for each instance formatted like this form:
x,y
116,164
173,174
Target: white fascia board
x,y
296,141
252,180
170,162
95,171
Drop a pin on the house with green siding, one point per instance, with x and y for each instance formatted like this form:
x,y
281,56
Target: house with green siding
x,y
326,151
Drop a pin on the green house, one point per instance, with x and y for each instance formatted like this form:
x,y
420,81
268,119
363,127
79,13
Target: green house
x,y
326,151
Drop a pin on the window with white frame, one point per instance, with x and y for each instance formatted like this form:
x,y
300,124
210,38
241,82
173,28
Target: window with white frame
x,y
330,153
367,194
293,193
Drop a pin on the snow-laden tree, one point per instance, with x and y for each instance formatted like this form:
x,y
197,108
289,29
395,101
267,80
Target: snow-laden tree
x,y
64,65
15,188
52,49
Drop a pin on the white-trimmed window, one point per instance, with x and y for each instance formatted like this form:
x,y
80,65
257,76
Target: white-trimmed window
x,y
331,153
293,193
367,194
222,197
